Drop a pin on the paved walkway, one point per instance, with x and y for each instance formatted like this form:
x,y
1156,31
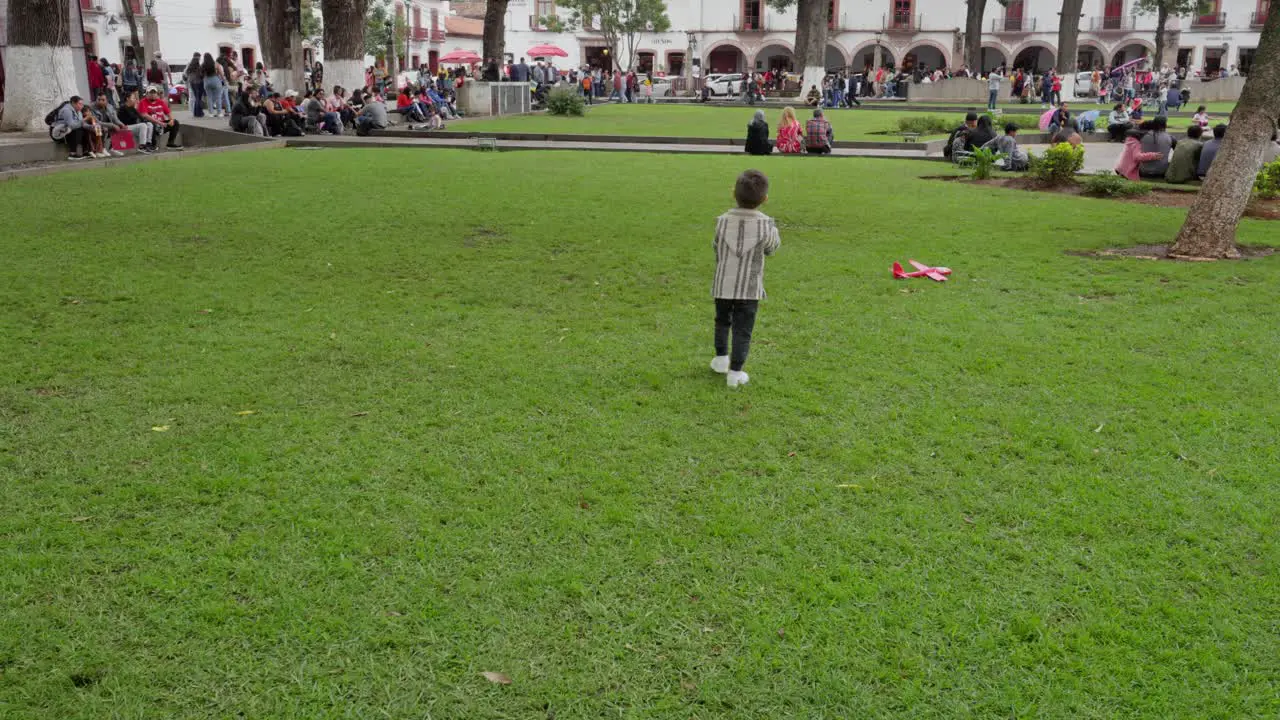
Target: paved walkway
x,y
1097,155
426,140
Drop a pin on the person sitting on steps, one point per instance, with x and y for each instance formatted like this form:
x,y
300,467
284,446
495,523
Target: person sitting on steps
x,y
818,135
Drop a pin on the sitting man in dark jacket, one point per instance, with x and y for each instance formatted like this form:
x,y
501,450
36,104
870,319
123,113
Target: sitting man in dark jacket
x,y
970,122
758,142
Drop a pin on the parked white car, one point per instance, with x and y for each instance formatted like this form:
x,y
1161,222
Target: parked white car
x,y
662,87
1084,85
725,84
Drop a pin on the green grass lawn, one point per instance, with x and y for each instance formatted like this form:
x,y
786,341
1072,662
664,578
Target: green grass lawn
x,y
693,121
341,448
1222,109
718,122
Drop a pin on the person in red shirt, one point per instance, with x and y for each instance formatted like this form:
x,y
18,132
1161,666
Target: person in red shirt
x,y
1057,89
97,79
156,108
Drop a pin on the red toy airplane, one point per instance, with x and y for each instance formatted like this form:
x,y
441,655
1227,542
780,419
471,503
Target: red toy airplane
x,y
938,274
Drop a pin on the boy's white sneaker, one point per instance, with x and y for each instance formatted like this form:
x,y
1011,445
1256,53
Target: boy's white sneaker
x,y
736,378
720,364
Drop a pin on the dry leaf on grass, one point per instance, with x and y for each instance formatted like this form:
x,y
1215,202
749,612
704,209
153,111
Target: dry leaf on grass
x,y
247,412
82,518
496,677
359,414
160,428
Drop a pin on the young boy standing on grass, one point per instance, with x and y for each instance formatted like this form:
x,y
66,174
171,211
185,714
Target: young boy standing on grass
x,y
744,236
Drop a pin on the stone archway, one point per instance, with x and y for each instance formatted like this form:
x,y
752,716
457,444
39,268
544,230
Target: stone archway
x,y
993,55
925,54
864,55
836,57
1035,56
725,56
1090,54
1131,49
776,56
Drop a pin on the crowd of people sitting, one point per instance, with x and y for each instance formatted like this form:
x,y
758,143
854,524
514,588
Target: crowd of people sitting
x,y
100,130
1150,151
815,137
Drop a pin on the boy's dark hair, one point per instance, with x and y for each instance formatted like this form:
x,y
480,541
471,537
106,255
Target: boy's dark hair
x,y
1159,124
1219,131
1194,132
751,190
1010,128
971,117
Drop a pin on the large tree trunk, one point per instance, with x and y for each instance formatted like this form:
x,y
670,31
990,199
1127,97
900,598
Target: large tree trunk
x,y
812,17
1210,228
1068,34
1162,19
134,42
973,35
495,31
39,65
344,25
274,27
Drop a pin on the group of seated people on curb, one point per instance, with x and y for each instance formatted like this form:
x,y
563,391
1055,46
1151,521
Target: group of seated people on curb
x,y
979,132
1151,153
87,129
815,138
320,112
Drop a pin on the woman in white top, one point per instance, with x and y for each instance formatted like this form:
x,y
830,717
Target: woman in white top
x,y
1201,118
1118,122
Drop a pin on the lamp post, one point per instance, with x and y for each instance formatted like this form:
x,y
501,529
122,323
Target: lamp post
x,y
392,71
691,50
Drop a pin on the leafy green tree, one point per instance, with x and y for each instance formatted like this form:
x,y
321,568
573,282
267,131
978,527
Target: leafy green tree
x,y
312,25
616,20
1163,10
375,29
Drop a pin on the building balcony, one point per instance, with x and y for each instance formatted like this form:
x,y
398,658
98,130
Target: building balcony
x,y
1110,23
750,24
1258,19
437,36
92,7
1211,21
1013,25
228,17
419,34
901,23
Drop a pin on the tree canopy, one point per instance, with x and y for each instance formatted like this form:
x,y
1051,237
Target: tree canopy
x,y
615,20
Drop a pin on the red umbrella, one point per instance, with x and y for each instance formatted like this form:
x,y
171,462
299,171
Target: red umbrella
x,y
463,57
546,51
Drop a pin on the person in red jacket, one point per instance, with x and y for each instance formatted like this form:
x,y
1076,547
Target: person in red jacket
x,y
155,107
97,79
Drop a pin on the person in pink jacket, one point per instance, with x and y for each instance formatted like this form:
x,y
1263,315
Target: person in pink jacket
x,y
1132,156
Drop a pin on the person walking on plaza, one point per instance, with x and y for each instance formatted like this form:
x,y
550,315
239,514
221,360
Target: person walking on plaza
x,y
744,237
195,85
993,88
212,84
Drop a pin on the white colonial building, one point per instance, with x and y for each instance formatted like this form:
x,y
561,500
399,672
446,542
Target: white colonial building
x,y
736,35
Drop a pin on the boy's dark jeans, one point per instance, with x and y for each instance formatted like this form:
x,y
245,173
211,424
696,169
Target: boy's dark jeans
x,y
739,316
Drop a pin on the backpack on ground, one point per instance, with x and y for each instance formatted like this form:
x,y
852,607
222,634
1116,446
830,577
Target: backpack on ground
x,y
52,117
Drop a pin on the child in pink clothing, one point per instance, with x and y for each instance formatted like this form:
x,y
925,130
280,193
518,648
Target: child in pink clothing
x,y
1132,156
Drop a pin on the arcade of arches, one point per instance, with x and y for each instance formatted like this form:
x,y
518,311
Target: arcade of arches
x,y
777,57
